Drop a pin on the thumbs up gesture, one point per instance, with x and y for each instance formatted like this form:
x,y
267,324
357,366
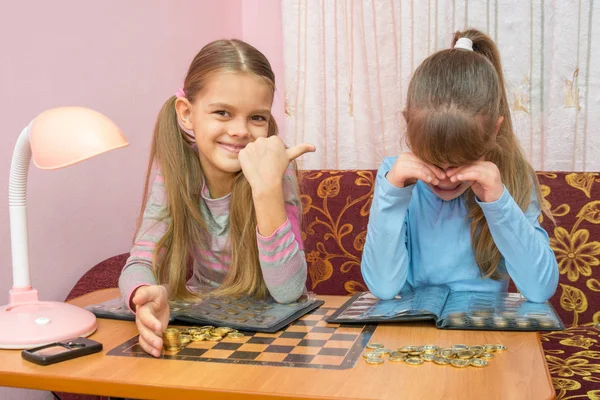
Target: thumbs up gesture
x,y
299,150
265,160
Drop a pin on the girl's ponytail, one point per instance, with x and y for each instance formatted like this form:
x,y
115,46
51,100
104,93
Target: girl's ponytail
x,y
172,151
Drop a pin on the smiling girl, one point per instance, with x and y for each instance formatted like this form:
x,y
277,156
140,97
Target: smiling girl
x,y
224,194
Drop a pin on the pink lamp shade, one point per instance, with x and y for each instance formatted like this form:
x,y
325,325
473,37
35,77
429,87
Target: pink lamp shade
x,y
64,136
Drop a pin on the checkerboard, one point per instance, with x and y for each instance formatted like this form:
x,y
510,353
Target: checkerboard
x,y
309,342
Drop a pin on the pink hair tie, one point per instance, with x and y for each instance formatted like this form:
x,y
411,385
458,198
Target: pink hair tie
x,y
180,93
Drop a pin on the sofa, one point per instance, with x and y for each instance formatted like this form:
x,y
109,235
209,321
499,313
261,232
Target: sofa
x,y
335,207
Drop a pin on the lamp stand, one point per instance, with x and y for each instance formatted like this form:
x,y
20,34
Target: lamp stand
x,y
26,321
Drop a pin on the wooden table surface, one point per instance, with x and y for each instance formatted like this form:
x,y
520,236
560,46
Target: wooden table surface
x,y
518,373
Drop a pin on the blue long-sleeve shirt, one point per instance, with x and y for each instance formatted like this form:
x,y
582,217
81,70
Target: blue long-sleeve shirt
x,y
416,238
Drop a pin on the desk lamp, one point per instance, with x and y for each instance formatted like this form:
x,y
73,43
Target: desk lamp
x,y
56,138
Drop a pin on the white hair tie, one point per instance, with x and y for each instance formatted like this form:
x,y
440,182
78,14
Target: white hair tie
x,y
464,43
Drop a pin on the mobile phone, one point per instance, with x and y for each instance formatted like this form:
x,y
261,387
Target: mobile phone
x,y
61,351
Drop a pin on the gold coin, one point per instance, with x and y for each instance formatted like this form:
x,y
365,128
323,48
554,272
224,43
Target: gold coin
x,y
396,353
429,348
500,347
185,339
478,320
221,331
465,354
489,348
482,313
371,354
447,353
441,361
476,348
396,359
487,355
478,353
457,319
374,360
459,363
546,322
235,335
171,331
459,347
214,338
428,356
382,350
374,345
408,349
414,360
478,362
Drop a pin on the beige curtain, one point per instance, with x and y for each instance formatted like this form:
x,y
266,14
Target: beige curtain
x,y
348,64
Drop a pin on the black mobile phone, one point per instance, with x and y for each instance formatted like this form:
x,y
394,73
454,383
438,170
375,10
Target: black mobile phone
x,y
61,351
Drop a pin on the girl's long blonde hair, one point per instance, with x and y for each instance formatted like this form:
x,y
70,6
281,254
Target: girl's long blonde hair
x,y
454,101
173,151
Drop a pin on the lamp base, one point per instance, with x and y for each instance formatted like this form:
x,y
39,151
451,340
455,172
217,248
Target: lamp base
x,y
36,323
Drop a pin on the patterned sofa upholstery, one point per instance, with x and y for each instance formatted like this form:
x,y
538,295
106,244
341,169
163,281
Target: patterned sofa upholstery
x,y
335,214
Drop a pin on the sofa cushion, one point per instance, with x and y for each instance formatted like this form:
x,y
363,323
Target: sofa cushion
x,y
102,276
335,208
573,358
574,239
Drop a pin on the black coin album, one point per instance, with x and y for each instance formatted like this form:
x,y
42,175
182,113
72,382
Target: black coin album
x,y
245,313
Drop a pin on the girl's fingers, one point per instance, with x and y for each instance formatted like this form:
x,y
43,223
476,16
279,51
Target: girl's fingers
x,y
434,171
454,172
469,174
142,295
148,348
152,341
297,151
437,171
423,172
149,320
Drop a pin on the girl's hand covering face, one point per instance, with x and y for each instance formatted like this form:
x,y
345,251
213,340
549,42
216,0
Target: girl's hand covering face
x,y
409,168
485,175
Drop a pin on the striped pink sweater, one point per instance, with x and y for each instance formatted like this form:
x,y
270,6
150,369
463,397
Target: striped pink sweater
x,y
281,255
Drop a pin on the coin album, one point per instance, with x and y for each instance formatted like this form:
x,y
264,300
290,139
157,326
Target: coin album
x,y
452,310
248,314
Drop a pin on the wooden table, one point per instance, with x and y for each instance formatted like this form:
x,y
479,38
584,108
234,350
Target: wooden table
x,y
518,373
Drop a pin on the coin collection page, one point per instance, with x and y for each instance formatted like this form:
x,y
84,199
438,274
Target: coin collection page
x,y
497,310
452,310
423,303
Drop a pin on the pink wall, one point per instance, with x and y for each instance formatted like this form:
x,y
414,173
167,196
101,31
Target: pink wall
x,y
122,58
262,27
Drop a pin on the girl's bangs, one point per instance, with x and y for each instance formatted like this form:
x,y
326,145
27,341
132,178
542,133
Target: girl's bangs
x,y
447,138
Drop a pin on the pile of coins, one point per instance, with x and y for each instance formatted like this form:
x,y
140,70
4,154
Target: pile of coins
x,y
458,355
174,339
